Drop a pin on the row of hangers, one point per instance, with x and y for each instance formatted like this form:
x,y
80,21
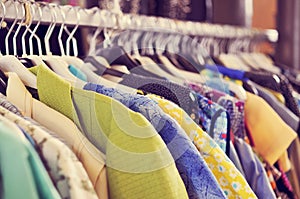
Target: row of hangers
x,y
216,37
27,12
190,52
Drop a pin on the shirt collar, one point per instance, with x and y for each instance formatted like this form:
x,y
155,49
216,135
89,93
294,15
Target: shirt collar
x,y
18,94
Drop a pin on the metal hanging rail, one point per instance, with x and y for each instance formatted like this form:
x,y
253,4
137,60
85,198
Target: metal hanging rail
x,y
95,17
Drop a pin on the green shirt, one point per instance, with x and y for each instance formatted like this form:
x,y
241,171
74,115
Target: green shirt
x,y
139,164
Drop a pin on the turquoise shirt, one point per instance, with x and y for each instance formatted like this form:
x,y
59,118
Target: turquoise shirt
x,y
23,174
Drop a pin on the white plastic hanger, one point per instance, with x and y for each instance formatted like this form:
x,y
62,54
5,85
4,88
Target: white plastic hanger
x,y
148,64
36,59
57,64
75,49
34,35
71,60
11,28
9,63
87,67
167,44
92,43
61,46
32,13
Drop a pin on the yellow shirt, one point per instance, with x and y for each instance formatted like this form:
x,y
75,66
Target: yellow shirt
x,y
230,179
270,134
283,161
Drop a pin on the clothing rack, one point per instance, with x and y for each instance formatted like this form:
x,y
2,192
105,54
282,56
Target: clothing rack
x,y
12,10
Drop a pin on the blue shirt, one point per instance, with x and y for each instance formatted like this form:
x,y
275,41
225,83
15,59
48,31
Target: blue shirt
x,y
232,73
198,179
254,170
214,120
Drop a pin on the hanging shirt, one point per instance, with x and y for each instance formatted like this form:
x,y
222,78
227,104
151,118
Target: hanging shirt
x,y
198,179
176,93
68,174
276,82
91,158
288,116
270,134
229,178
123,135
22,172
233,156
254,170
282,86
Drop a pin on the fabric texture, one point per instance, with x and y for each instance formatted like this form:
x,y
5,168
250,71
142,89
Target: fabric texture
x,y
29,138
233,156
229,178
198,179
233,106
23,169
8,105
277,83
254,171
284,185
178,94
214,121
270,134
294,152
59,161
123,135
91,158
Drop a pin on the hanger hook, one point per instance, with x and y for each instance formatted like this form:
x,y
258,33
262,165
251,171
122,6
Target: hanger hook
x,y
93,41
76,10
18,29
32,13
3,17
34,31
61,46
11,28
50,29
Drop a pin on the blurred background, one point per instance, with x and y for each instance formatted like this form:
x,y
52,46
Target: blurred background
x,y
282,16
